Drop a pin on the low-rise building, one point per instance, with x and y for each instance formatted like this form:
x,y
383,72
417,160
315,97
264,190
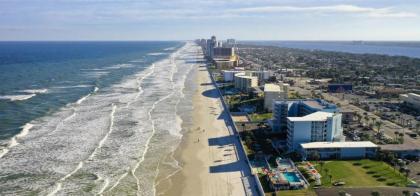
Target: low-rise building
x,y
411,100
339,150
340,88
244,82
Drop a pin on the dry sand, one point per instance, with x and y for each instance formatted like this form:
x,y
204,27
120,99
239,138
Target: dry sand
x,y
207,156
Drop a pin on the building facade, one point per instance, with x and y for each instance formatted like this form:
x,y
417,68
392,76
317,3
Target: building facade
x,y
273,92
338,150
315,127
297,108
411,100
244,82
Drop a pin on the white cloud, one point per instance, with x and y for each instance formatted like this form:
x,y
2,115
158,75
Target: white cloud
x,y
344,9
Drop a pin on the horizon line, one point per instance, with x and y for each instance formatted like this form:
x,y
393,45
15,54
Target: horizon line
x,y
181,40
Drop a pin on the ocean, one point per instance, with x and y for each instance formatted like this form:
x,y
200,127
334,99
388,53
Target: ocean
x,y
409,49
87,118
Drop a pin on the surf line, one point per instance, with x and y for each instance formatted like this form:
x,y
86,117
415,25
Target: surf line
x,y
59,184
14,141
171,61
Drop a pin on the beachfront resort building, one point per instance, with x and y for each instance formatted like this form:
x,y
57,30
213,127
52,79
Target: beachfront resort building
x,y
297,108
338,150
315,127
211,44
245,82
228,75
273,92
311,120
411,100
225,57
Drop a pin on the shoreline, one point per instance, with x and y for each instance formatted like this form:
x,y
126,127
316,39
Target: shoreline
x,y
206,153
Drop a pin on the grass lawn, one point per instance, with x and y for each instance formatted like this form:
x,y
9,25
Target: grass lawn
x,y
261,117
361,173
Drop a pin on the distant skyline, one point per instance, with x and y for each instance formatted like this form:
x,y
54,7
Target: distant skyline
x,y
190,19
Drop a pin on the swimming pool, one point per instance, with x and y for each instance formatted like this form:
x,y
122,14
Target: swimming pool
x,y
291,176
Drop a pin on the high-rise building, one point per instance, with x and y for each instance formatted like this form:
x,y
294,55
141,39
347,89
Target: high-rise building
x,y
244,82
211,44
222,52
231,42
305,121
297,108
273,92
315,127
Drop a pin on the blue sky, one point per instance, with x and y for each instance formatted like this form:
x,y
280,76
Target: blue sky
x,y
189,19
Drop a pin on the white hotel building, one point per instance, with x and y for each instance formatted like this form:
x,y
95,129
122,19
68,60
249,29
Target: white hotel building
x,y
314,127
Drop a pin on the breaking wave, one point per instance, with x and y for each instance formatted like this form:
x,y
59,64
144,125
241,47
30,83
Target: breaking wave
x,y
107,142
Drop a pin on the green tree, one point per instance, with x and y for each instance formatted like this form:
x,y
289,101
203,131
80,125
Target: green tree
x,y
402,138
407,173
375,193
378,125
396,135
406,192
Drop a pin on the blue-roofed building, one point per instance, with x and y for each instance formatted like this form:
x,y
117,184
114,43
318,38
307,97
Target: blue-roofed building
x,y
297,108
340,88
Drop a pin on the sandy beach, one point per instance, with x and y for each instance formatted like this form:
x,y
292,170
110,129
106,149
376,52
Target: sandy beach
x,y
207,153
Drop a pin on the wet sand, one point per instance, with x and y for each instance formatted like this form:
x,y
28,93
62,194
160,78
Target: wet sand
x,y
207,155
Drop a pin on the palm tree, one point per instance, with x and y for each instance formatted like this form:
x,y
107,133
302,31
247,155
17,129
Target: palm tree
x,y
396,135
366,119
378,125
402,137
342,193
374,120
407,173
375,193
406,192
359,117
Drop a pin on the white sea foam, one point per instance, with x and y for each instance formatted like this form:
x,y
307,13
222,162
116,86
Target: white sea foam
x,y
14,140
137,61
17,97
88,95
170,48
34,91
74,86
29,94
113,133
119,66
156,53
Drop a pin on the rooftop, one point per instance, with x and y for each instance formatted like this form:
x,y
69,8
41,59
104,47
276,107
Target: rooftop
x,y
316,116
242,75
361,144
271,88
318,104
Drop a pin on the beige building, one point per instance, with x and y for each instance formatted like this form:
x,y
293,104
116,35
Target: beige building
x,y
244,82
273,92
